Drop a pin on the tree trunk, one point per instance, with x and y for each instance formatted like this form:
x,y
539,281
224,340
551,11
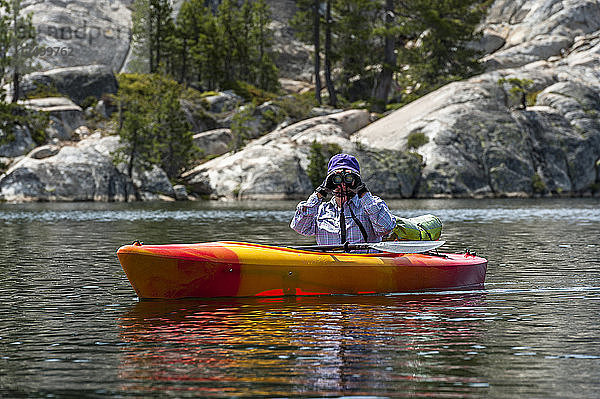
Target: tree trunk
x,y
16,54
15,84
317,41
157,43
131,159
389,62
150,44
184,56
329,82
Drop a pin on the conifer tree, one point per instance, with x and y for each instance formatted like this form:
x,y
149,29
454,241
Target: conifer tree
x,y
154,129
230,27
307,26
138,147
435,48
20,35
171,130
189,31
266,71
329,55
389,64
4,43
152,28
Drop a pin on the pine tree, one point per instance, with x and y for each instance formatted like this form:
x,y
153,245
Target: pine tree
x,y
356,46
153,129
21,36
246,44
212,55
189,31
4,43
200,52
435,49
307,27
262,39
389,64
138,147
140,32
152,28
329,55
170,128
230,24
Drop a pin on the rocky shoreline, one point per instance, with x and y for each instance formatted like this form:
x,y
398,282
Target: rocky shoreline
x,y
475,142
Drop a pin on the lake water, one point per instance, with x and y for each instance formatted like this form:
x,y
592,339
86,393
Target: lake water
x,y
71,325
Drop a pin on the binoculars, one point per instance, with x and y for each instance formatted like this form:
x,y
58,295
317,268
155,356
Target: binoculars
x,y
344,177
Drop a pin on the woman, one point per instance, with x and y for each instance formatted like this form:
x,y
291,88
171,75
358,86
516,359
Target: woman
x,y
353,215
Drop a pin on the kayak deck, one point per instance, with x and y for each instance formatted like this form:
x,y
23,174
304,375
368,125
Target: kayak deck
x,y
235,269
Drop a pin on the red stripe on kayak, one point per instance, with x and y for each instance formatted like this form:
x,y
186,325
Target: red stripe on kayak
x,y
182,271
276,292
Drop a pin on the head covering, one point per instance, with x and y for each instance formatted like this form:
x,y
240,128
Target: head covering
x,y
343,161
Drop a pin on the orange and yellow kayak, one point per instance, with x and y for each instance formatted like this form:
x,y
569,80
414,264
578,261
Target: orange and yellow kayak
x,y
237,269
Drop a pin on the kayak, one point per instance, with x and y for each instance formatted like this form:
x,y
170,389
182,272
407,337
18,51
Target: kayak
x,y
238,269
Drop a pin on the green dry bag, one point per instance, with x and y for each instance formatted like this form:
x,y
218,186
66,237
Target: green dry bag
x,y
426,227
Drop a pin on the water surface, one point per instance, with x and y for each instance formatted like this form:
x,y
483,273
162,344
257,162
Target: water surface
x,y
71,325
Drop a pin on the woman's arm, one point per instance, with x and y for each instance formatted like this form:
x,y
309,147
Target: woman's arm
x,y
305,219
379,214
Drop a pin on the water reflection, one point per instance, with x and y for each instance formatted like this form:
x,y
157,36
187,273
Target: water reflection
x,y
305,346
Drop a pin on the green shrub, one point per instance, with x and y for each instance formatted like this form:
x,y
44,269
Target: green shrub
x,y
537,184
43,91
531,98
12,115
250,93
519,91
240,126
296,106
90,101
416,140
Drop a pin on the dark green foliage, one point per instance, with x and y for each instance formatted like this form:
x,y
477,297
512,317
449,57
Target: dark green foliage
x,y
295,106
13,115
240,126
435,42
43,91
250,92
519,91
318,158
419,45
151,33
211,51
171,129
537,184
17,40
153,127
4,42
416,140
89,101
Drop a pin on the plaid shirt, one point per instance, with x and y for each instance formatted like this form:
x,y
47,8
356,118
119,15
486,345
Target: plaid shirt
x,y
314,217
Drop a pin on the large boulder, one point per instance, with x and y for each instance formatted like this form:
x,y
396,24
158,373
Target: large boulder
x,y
226,101
83,172
214,142
518,32
80,32
65,116
274,166
16,143
77,83
479,145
